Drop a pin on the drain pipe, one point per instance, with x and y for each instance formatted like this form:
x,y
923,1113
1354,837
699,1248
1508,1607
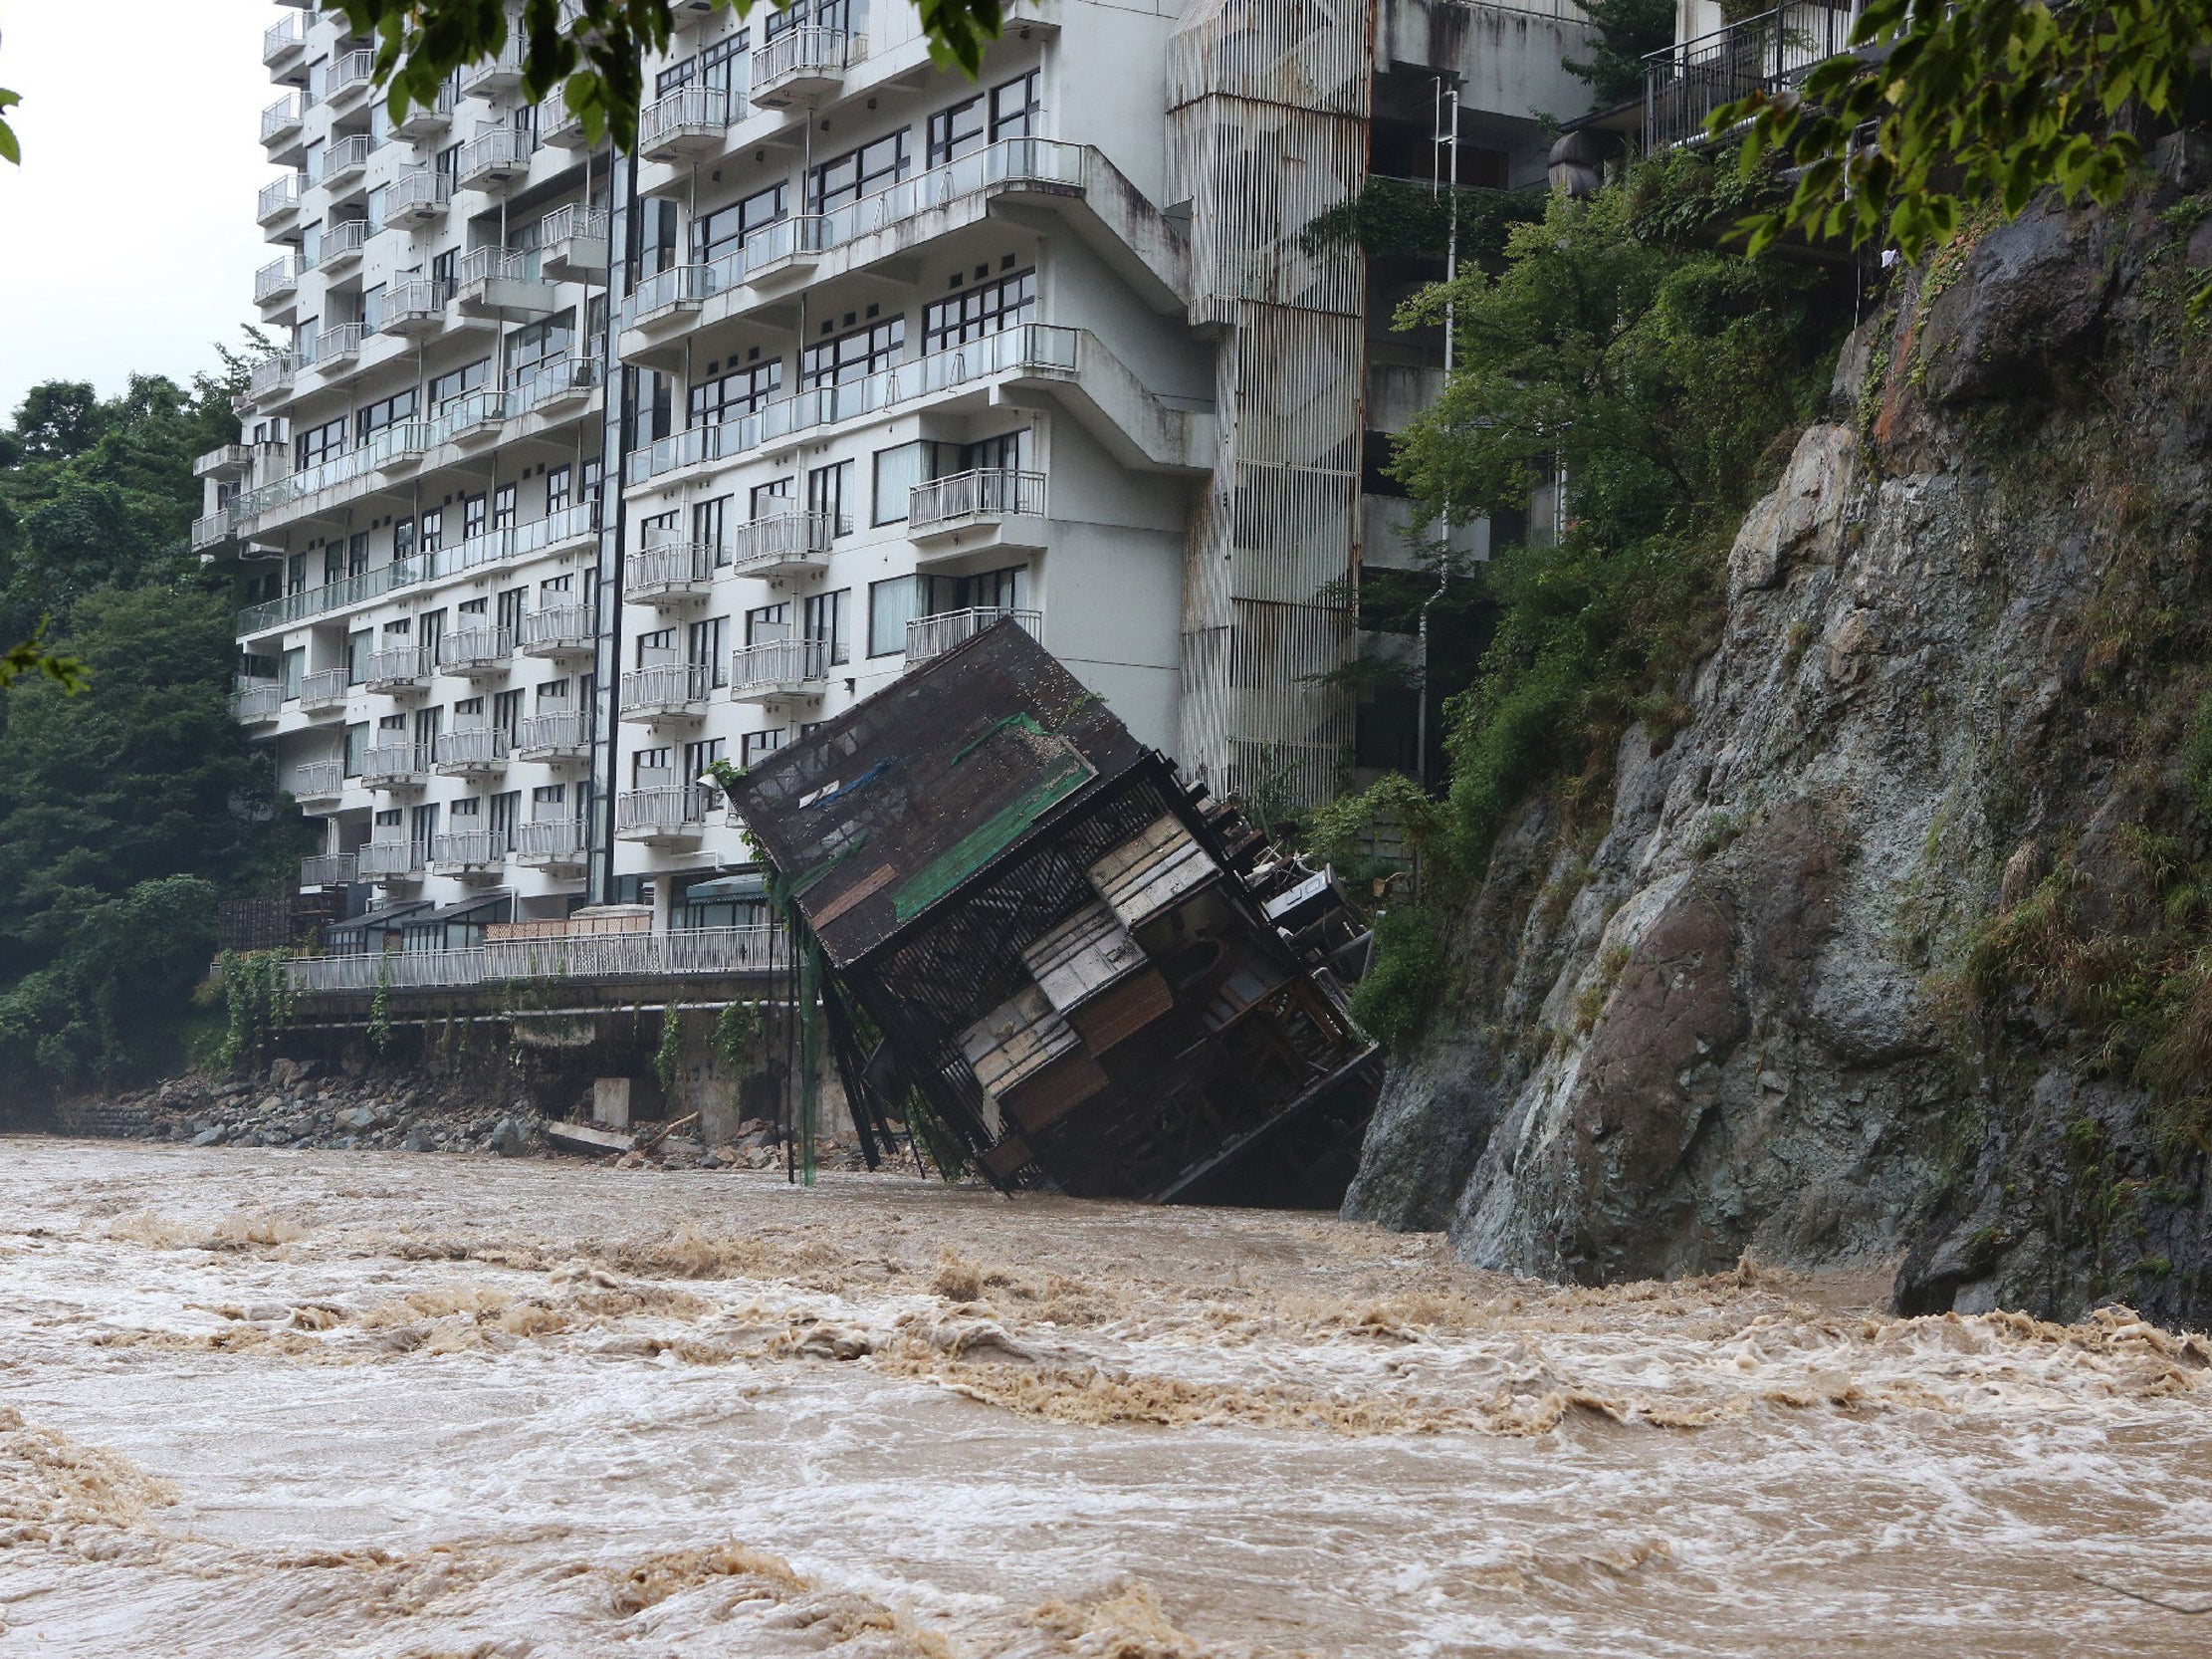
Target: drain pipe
x,y
1450,309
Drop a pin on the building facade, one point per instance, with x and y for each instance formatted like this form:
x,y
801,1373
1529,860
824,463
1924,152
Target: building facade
x,y
583,472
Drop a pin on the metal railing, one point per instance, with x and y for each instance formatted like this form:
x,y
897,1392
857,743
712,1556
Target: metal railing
x,y
572,523
664,806
468,846
255,700
317,780
779,662
281,118
346,157
690,107
391,859
557,378
396,666
209,530
678,285
275,280
417,300
667,567
1008,162
554,839
557,627
928,636
664,685
267,374
341,238
399,763
565,732
808,49
477,648
483,265
279,197
328,870
585,958
282,38
339,342
469,746
983,493
418,192
502,149
780,540
353,71
1686,83
323,688
503,69
472,412
567,223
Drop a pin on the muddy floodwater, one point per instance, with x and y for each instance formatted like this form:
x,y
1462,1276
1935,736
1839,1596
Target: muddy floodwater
x,y
272,1402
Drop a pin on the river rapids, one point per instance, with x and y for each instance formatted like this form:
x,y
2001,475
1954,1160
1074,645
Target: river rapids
x,y
349,1403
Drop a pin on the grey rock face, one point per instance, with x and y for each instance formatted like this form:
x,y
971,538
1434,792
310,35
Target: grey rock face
x,y
1725,1029
508,1139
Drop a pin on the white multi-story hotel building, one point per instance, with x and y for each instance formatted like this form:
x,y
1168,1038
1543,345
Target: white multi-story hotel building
x,y
582,471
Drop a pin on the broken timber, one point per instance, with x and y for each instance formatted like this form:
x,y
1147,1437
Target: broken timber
x,y
1070,956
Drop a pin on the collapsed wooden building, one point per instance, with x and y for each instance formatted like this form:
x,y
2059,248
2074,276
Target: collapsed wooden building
x,y
1097,980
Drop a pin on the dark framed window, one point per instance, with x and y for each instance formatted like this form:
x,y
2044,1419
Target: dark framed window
x,y
529,349
827,491
706,644
1017,107
372,418
986,309
739,392
402,539
824,620
858,172
320,443
557,487
955,132
458,382
471,515
502,507
854,355
724,231
891,605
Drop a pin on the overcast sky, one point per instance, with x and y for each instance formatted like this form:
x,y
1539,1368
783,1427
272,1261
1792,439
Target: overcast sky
x,y
127,238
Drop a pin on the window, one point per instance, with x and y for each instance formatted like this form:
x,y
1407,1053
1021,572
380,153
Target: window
x,y
739,392
465,712
530,350
445,267
292,670
755,745
657,646
473,609
375,208
854,355
858,172
373,308
554,590
722,65
296,573
357,552
471,515
372,418
769,499
334,564
526,123
824,620
509,611
957,131
827,490
706,644
356,742
1016,109
544,799
448,165
653,230
428,723
502,507
433,530
988,308
766,622
556,488
444,389
402,539
657,531
468,806
311,161
358,647
1009,451
648,397
649,767
891,605
423,823
506,712
320,443
701,755
724,231
710,527
505,808
897,471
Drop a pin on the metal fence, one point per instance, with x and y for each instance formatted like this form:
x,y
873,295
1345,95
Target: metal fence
x,y
1686,83
576,958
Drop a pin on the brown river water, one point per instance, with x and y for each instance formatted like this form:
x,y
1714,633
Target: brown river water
x,y
351,1403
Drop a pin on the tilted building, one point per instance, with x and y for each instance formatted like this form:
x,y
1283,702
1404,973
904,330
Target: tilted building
x,y
581,472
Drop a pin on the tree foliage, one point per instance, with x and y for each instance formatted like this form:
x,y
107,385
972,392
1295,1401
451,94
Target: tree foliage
x,y
1942,102
593,49
1622,31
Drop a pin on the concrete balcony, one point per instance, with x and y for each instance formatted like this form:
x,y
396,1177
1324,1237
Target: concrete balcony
x,y
342,240
468,853
474,419
389,766
502,72
398,450
388,861
493,161
283,42
472,752
928,636
345,164
278,279
229,461
665,691
416,309
329,869
271,377
279,201
687,125
476,653
789,248
671,573
430,120
417,198
986,507
209,530
564,735
350,78
339,344
561,630
781,544
397,668
776,670
554,387
803,65
669,814
573,245
557,125
664,300
574,529
503,284
555,845
282,128
256,702
317,784
323,691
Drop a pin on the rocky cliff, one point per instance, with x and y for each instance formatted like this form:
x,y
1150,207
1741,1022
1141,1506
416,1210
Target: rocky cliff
x,y
1893,951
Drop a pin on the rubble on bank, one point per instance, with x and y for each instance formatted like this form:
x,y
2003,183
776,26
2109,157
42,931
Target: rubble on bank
x,y
300,1104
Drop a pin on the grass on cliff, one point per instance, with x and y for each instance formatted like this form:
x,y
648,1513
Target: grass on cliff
x,y
1661,378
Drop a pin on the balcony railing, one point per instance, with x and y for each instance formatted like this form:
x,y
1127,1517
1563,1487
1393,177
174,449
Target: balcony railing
x,y
275,279
416,306
397,667
279,198
775,666
562,735
496,73
475,414
802,58
493,158
280,39
342,239
470,649
928,636
325,688
963,496
586,958
210,530
665,688
328,870
271,374
666,568
1008,162
345,158
395,763
349,76
468,847
566,223
251,701
663,809
687,121
1686,83
391,861
573,526
782,542
418,196
1028,348
557,631
427,120
339,343
281,118
558,840
679,288
317,780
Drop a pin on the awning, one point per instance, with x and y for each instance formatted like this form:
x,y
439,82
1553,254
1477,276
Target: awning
x,y
466,907
745,884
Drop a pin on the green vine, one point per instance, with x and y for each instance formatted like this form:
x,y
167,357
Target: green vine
x,y
736,1029
668,1059
379,1010
1403,216
257,996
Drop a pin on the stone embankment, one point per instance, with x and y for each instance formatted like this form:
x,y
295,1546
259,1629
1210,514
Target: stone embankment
x,y
301,1105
